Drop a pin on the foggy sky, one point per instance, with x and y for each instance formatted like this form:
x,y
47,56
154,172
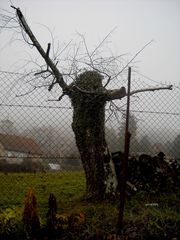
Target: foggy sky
x,y
137,21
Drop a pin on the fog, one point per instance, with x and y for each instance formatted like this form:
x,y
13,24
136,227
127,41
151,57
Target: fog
x,y
137,22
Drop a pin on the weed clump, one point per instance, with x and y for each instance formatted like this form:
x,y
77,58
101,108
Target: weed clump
x,y
30,216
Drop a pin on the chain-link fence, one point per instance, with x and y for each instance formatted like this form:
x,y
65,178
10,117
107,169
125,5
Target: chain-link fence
x,y
33,122
36,133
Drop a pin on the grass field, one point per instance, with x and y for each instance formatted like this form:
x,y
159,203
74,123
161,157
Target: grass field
x,y
69,189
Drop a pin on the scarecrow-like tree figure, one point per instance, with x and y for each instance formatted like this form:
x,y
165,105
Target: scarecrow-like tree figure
x,y
88,96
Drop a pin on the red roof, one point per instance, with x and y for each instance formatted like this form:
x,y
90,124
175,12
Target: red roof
x,y
20,144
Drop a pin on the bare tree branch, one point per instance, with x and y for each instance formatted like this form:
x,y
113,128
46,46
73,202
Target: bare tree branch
x,y
56,100
35,42
97,64
66,46
87,51
120,93
48,50
115,94
104,39
151,89
30,91
132,59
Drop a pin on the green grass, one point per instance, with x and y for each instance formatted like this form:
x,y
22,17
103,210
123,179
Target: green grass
x,y
69,189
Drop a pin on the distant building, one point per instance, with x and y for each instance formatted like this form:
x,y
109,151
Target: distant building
x,y
54,166
15,148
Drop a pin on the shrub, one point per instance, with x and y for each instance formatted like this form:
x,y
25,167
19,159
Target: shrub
x,y
11,224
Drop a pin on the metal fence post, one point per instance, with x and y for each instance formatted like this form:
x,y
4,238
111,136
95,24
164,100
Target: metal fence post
x,y
125,159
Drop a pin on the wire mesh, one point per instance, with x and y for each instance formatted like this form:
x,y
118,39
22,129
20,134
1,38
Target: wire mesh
x,y
36,133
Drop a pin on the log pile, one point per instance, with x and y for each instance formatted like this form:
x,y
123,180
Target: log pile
x,y
152,174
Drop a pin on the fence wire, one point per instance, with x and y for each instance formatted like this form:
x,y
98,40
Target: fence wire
x,y
36,133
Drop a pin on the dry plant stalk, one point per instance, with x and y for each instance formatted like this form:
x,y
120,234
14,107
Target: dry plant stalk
x,y
30,215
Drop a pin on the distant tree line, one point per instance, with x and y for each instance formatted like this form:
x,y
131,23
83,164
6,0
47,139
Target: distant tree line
x,y
61,148
27,165
143,143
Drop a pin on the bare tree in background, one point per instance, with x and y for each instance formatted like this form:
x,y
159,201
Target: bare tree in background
x,y
88,96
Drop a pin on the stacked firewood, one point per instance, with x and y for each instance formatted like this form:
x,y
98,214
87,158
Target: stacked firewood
x,y
148,173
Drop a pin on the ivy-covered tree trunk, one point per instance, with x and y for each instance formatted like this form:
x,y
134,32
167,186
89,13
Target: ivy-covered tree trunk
x,y
89,129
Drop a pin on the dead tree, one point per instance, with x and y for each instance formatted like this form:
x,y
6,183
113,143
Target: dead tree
x,y
88,97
